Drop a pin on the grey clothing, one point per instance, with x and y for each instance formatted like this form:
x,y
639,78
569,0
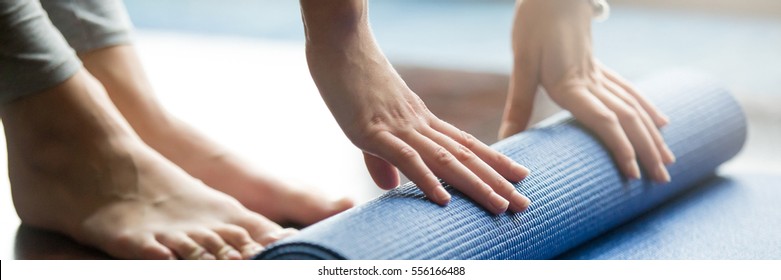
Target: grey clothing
x,y
90,24
35,56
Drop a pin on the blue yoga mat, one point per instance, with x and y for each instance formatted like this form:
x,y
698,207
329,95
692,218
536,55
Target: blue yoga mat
x,y
733,216
576,190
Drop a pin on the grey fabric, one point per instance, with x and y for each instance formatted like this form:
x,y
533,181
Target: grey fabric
x,y
90,24
35,56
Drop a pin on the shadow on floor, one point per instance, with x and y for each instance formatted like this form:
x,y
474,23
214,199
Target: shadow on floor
x,y
36,244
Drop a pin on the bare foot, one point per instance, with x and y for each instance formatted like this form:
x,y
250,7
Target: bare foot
x,y
120,71
76,167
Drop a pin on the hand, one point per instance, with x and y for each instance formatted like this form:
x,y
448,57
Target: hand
x,y
385,119
552,47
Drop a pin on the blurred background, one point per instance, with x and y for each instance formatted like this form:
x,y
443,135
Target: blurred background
x,y
235,69
736,40
456,53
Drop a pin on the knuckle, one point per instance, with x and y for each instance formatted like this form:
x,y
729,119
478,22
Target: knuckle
x,y
365,137
467,139
443,156
376,120
407,153
418,105
628,115
464,154
502,160
606,116
500,184
633,103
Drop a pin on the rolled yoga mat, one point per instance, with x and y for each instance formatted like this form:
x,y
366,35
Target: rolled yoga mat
x,y
576,190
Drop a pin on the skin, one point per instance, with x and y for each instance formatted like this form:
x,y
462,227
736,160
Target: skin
x,y
552,49
89,176
120,172
390,123
119,69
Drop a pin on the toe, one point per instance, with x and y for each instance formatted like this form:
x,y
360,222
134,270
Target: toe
x,y
311,208
214,244
152,250
257,226
275,236
138,246
184,246
239,238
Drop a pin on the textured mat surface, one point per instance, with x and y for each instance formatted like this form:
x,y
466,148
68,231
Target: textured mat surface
x,y
731,217
576,191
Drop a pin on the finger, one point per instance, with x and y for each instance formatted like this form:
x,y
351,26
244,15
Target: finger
x,y
596,116
495,181
658,117
445,165
184,246
383,173
214,244
510,169
520,96
409,162
637,133
239,238
667,156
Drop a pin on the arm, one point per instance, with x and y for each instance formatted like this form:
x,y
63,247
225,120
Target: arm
x,y
552,48
389,122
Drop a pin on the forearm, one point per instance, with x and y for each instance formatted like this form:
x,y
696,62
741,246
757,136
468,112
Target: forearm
x,y
550,17
345,61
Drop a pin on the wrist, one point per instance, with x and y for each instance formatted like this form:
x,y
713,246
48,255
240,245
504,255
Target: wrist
x,y
578,10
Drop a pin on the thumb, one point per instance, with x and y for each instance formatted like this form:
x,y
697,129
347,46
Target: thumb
x,y
520,98
383,173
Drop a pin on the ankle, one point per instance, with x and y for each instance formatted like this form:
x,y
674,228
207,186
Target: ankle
x,y
56,137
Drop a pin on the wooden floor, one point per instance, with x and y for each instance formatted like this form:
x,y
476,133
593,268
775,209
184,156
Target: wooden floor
x,y
271,78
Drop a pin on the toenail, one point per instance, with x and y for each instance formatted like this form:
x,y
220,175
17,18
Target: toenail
x,y
251,250
197,254
207,256
233,255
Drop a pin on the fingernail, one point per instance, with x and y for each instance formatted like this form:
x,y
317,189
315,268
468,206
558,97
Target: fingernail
x,y
207,257
520,170
499,203
632,170
233,255
670,156
442,196
661,174
520,202
664,120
